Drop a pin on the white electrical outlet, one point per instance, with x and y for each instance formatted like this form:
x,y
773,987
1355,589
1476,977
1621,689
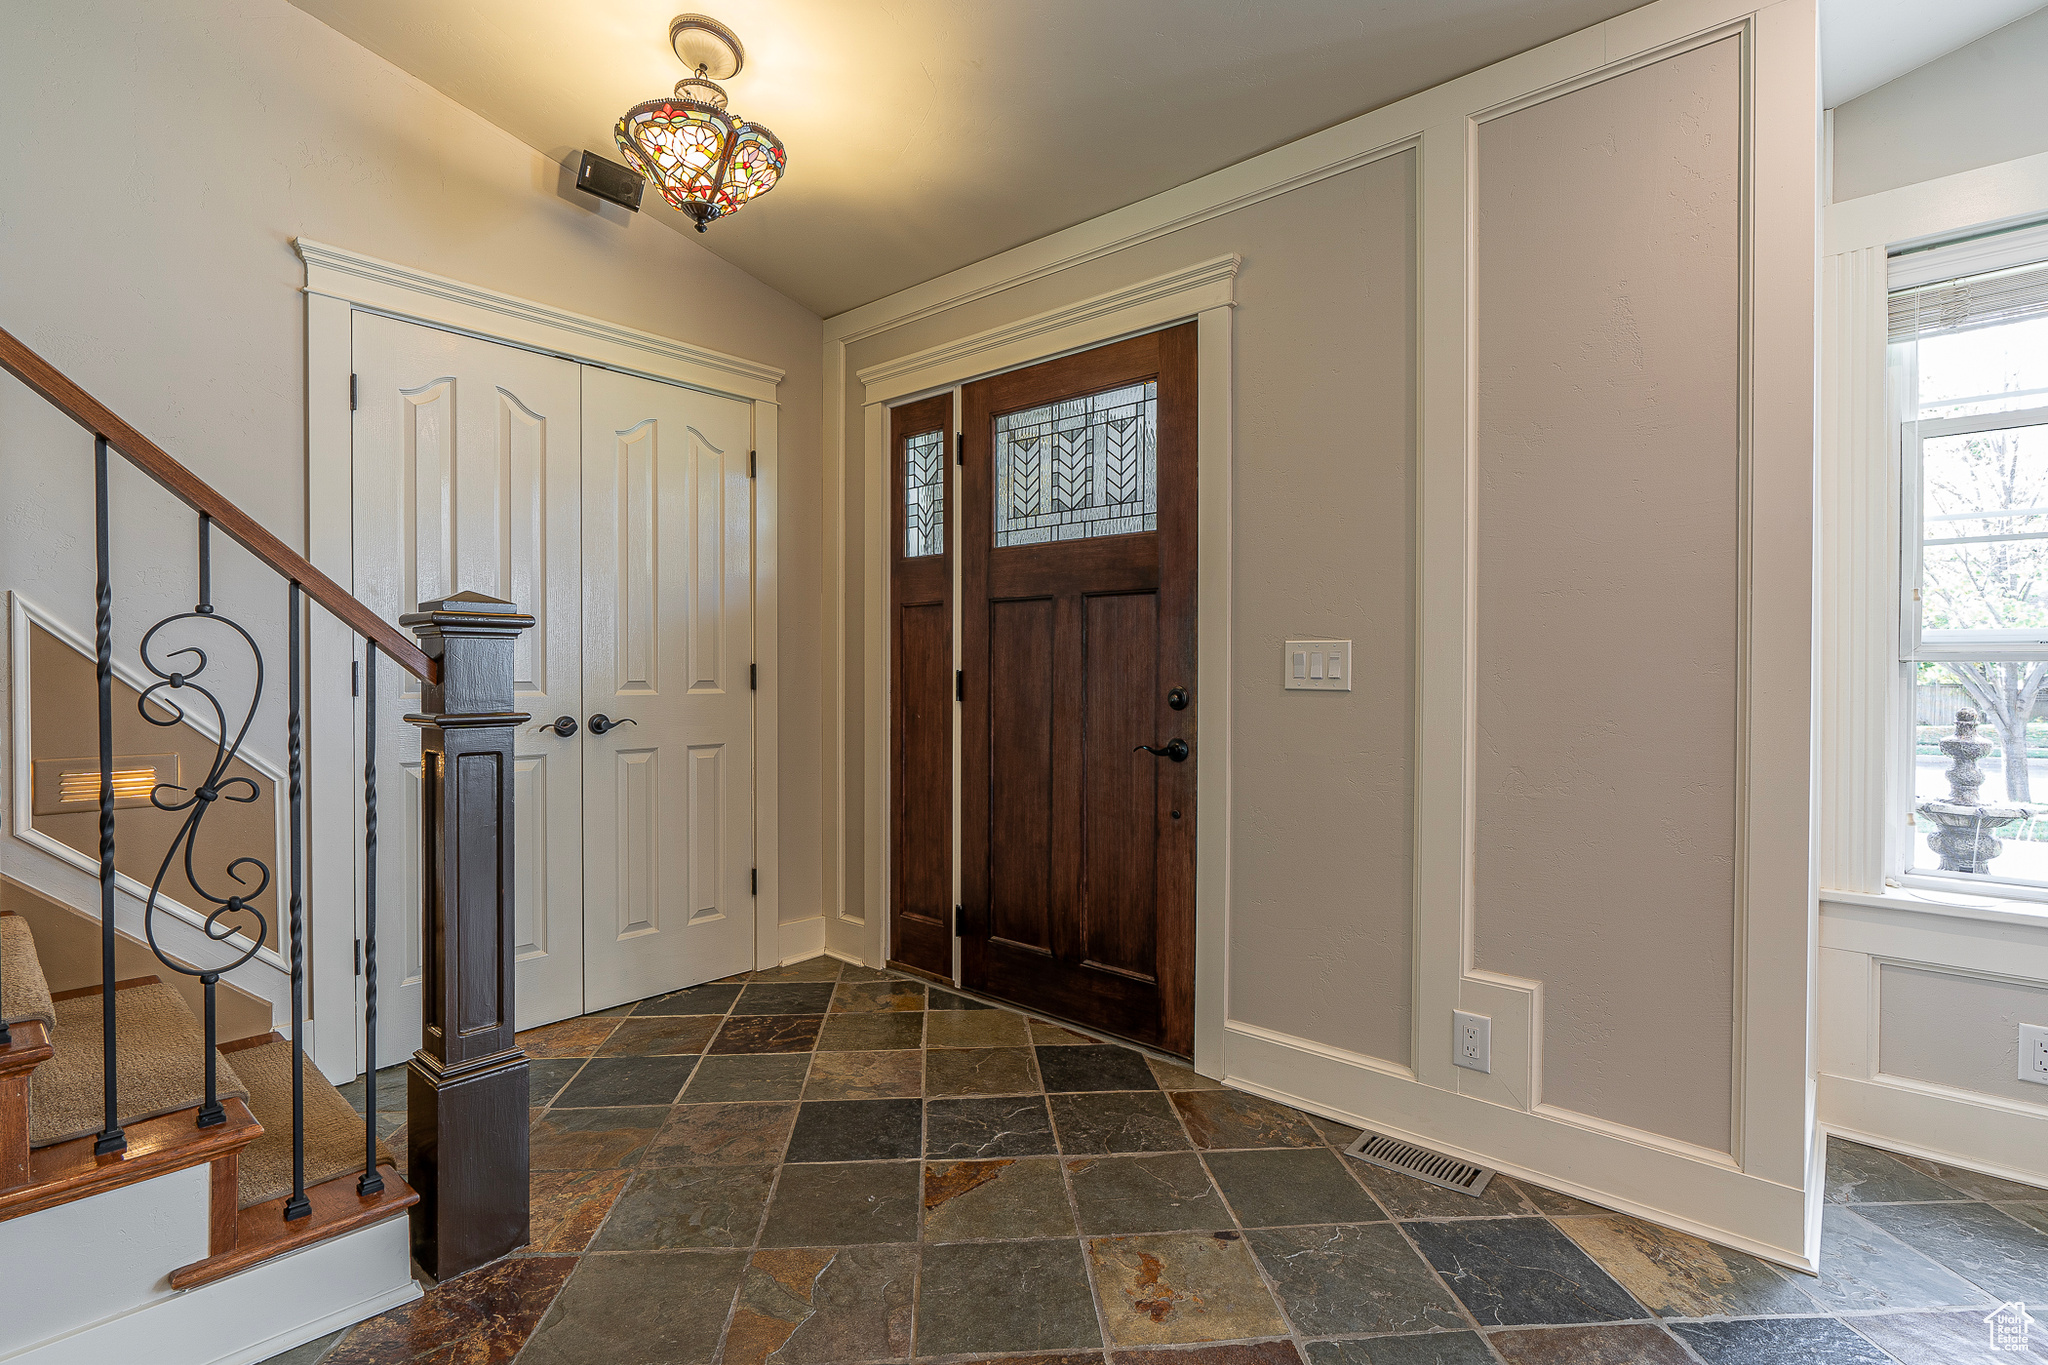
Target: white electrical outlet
x,y
2034,1053
1473,1036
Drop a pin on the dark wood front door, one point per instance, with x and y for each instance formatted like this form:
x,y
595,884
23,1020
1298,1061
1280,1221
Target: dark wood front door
x,y
1078,582
921,691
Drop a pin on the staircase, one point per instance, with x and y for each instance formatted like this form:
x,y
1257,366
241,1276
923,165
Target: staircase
x,y
192,1201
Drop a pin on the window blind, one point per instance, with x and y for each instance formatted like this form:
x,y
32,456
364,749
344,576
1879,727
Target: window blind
x,y
1970,302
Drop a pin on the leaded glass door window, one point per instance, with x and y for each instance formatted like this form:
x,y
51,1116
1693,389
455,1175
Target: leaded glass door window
x,y
924,494
1079,468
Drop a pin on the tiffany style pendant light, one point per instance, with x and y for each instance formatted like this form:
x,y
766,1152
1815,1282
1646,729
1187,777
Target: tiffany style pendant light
x,y
704,161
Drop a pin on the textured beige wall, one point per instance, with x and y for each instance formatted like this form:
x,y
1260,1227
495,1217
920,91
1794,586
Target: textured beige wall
x,y
1949,1028
158,160
1324,488
1977,106
1607,583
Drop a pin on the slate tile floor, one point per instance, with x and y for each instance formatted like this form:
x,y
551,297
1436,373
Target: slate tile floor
x,y
829,1165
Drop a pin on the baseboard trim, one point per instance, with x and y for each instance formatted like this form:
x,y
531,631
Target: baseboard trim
x,y
1707,1199
801,940
1990,1136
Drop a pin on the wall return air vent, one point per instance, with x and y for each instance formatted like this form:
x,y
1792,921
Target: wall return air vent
x,y
1421,1163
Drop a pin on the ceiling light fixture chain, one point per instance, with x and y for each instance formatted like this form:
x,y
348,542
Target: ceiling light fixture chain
x,y
705,162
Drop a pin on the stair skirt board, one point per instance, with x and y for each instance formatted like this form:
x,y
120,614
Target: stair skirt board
x,y
159,1052
24,995
334,1130
259,1313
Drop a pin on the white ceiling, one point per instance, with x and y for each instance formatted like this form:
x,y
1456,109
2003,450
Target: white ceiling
x,y
924,135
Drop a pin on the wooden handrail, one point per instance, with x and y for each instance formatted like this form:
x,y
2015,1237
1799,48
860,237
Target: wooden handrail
x,y
147,456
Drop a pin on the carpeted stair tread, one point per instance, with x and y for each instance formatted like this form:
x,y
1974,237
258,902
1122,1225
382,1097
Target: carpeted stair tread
x,y
24,994
334,1130
159,1051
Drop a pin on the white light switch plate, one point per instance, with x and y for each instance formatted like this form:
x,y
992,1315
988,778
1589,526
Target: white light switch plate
x,y
1316,666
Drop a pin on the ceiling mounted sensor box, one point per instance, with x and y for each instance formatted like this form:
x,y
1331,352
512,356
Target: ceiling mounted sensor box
x,y
610,181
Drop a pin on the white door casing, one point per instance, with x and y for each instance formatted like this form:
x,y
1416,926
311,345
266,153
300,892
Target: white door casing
x,y
668,629
467,477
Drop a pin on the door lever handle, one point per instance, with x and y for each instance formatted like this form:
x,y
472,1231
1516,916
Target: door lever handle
x,y
564,726
600,723
1175,749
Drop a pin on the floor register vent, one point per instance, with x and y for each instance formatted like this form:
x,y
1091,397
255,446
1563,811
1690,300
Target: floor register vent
x,y
1421,1163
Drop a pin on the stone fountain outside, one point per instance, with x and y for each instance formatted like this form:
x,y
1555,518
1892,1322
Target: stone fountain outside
x,y
1966,830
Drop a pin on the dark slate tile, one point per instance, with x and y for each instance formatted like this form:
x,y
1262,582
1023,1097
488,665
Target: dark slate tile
x,y
1628,1344
1094,1068
1116,1121
545,1077
1990,1188
678,1035
688,1206
757,1076
1338,1135
1863,1175
569,1038
1950,1338
568,1207
615,1012
1512,1271
314,1351
957,1130
785,998
979,1071
1004,1296
669,1306
2000,1255
694,1000
1405,1197
865,1075
1145,1194
995,1200
1358,1278
1280,1186
851,972
1171,1287
1234,1353
813,1306
1174,1076
390,1090
868,997
483,1316
844,1204
937,999
722,1135
1864,1267
976,1028
1680,1276
612,1081
1230,1118
871,1032
1045,1033
811,971
592,1139
1778,1341
767,1033
857,1130
1432,1348
2034,1215
1550,1201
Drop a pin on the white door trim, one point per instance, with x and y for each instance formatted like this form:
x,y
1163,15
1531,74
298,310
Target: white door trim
x,y
1204,293
338,283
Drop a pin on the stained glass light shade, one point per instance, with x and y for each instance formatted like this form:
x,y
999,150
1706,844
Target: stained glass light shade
x,y
704,161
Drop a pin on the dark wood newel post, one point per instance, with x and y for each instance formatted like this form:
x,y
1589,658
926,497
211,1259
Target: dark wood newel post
x,y
466,1087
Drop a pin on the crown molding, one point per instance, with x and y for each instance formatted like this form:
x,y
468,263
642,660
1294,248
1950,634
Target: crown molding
x,y
1172,297
404,292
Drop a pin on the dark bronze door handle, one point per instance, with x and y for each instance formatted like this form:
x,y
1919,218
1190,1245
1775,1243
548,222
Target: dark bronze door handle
x,y
1175,749
600,723
564,726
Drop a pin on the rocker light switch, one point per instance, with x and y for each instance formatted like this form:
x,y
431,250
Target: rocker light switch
x,y
1317,666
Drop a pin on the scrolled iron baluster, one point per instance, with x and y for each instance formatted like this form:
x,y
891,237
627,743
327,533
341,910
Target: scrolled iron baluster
x,y
111,1138
216,785
298,1206
372,1182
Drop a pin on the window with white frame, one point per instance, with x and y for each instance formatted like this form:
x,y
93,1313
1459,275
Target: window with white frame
x,y
1969,392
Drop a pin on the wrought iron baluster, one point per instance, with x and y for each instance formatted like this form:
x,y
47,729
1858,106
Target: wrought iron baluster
x,y
297,1206
372,1182
111,1138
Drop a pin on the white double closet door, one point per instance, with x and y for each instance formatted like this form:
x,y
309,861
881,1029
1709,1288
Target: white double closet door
x,y
617,511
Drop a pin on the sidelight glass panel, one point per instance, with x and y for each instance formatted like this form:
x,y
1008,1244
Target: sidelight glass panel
x,y
924,495
1080,467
